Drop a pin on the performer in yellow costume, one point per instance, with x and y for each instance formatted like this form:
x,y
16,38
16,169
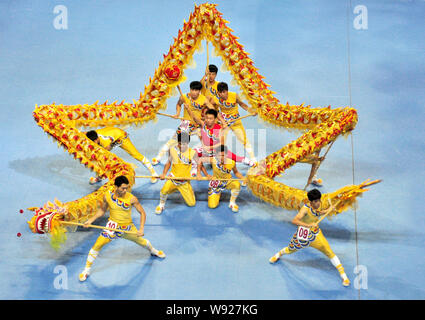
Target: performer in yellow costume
x,y
222,168
308,217
210,84
194,100
110,137
183,161
119,202
228,103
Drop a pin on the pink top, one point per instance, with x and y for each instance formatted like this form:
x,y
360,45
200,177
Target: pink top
x,y
210,137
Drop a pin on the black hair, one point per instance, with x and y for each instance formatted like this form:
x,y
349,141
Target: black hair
x,y
212,111
314,194
183,137
120,180
195,85
222,86
92,135
213,68
221,148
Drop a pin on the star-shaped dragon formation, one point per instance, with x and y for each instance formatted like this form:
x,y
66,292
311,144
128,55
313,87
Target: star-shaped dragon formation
x,y
320,126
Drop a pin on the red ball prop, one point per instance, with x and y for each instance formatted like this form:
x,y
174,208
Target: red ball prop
x,y
19,234
172,72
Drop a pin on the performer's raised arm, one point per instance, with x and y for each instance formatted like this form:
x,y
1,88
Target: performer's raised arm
x,y
245,106
178,107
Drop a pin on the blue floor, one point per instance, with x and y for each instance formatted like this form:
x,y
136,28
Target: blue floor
x,y
309,52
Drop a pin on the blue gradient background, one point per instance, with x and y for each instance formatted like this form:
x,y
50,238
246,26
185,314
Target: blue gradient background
x,y
309,52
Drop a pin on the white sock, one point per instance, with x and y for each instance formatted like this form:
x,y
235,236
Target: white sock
x,y
148,165
335,261
151,248
337,264
90,258
234,193
162,199
283,251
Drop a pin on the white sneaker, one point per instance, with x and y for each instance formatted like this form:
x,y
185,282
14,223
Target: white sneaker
x,y
316,181
83,275
274,258
234,207
158,253
346,282
159,209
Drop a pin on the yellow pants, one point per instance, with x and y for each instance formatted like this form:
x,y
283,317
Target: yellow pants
x,y
239,131
319,243
102,240
128,146
185,190
215,193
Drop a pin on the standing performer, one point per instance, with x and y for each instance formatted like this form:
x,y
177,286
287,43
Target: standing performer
x,y
182,161
308,217
210,84
222,168
195,102
110,137
119,202
228,103
211,136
